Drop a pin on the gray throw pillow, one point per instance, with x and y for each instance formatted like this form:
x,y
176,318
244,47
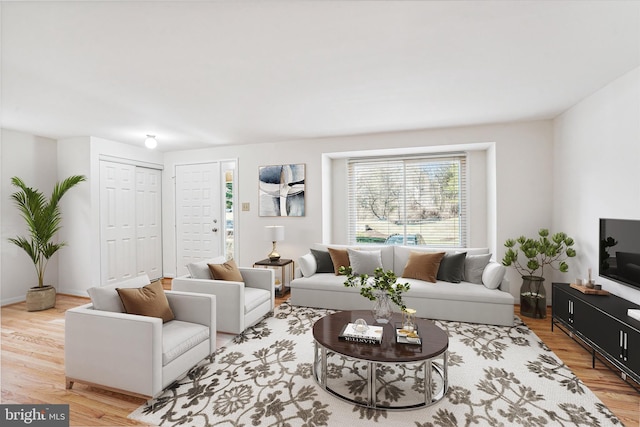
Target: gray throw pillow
x,y
452,267
323,260
364,262
474,266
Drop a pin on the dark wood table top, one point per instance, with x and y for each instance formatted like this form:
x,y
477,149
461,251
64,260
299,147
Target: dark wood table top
x,y
434,340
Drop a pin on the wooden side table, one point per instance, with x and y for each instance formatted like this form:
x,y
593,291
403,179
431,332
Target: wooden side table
x,y
283,269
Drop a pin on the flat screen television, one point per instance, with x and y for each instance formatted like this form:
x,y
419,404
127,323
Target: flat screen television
x,y
620,251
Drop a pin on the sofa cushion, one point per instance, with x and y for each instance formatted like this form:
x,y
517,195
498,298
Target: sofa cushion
x,y
200,270
452,267
227,271
253,297
148,300
463,291
323,261
308,264
493,274
106,298
179,337
423,266
340,258
474,267
364,262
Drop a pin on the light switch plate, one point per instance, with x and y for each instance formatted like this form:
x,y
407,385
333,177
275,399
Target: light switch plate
x,y
246,206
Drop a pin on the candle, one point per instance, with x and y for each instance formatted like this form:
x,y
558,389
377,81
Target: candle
x,y
589,275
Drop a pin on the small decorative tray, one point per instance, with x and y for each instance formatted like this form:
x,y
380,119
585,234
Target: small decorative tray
x,y
404,337
589,291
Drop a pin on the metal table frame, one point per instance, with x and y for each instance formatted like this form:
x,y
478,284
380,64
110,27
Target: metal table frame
x,y
435,365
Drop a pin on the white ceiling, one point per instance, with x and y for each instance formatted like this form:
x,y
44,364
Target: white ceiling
x,y
200,74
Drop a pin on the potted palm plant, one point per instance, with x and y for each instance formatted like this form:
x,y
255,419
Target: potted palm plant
x,y
539,252
43,219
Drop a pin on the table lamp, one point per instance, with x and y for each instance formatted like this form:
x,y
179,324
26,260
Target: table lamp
x,y
274,233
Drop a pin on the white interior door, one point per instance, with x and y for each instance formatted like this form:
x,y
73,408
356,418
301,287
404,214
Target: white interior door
x,y
199,231
117,222
149,222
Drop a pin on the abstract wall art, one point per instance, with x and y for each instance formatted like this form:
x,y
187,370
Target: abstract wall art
x,y
281,190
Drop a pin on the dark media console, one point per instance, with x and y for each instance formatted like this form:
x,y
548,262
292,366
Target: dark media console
x,y
601,321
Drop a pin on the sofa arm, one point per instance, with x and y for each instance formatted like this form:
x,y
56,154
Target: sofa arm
x,y
118,350
222,289
263,278
229,298
195,308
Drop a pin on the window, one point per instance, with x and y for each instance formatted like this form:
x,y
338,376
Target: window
x,y
228,175
413,201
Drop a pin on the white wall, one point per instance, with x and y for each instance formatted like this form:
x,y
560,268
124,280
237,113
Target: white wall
x,y
522,200
33,159
596,171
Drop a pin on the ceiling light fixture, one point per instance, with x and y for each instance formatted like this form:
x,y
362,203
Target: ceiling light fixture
x,y
150,142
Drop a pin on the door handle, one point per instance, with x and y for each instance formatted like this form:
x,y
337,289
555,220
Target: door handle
x,y
214,230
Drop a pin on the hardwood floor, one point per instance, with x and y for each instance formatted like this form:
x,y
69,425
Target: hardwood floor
x,y
32,368
605,383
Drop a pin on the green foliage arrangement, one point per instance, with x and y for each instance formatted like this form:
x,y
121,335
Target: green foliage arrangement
x,y
43,219
539,252
381,281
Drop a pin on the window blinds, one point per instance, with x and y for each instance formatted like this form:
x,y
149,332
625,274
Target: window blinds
x,y
421,200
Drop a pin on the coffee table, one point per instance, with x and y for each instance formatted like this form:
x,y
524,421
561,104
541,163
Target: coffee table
x,y
432,353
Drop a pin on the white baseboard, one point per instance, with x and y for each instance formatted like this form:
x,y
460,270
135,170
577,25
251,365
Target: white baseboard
x,y
12,300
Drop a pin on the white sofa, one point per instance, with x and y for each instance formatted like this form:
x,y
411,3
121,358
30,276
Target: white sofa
x,y
240,304
139,355
488,302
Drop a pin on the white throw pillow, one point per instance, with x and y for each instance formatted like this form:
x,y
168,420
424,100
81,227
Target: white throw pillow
x,y
106,298
308,265
364,262
493,274
200,270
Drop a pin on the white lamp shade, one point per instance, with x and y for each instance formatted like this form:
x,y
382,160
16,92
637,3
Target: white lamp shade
x,y
274,233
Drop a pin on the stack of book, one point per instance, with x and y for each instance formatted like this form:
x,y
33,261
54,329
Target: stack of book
x,y
372,334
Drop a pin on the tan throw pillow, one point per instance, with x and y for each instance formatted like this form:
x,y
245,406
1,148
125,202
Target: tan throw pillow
x,y
227,271
339,257
149,300
423,266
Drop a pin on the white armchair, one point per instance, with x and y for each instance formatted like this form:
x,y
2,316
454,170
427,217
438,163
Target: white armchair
x,y
138,354
240,305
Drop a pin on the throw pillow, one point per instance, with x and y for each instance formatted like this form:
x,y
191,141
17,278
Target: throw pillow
x,y
323,261
493,274
423,266
339,257
149,300
308,265
106,298
474,266
200,270
364,262
452,267
228,271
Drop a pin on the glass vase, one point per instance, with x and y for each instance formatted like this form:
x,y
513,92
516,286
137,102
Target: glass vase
x,y
533,297
382,311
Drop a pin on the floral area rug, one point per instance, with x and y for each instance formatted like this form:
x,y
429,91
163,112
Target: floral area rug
x,y
498,376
